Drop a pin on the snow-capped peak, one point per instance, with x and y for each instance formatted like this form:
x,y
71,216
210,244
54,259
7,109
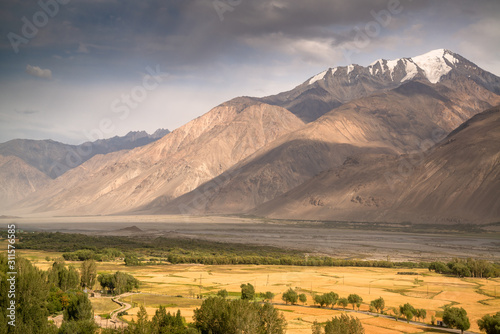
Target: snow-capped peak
x,y
318,77
434,65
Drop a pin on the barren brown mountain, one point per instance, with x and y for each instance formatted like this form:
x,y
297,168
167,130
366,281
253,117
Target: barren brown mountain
x,y
170,167
410,118
456,181
17,179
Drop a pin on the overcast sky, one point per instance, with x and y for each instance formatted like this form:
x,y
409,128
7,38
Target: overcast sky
x,y
82,69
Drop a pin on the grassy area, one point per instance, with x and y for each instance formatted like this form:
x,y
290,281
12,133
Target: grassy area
x,y
103,305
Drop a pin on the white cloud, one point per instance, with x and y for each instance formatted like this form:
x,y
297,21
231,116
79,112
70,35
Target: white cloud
x,y
308,50
39,72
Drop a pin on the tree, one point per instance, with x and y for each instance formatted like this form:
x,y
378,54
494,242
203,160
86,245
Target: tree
x,y
164,322
290,296
343,302
224,316
268,296
118,281
271,320
317,328
132,260
222,293
80,327
331,298
303,298
65,278
319,299
31,296
344,324
142,324
421,314
455,317
79,307
88,273
247,291
397,313
77,315
378,304
490,324
407,311
355,300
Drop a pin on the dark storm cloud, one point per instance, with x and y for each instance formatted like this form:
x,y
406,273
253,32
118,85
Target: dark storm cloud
x,y
186,31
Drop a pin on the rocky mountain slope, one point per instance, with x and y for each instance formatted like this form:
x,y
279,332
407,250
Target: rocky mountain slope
x,y
410,118
170,167
457,180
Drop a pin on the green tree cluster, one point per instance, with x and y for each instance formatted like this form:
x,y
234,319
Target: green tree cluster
x,y
118,282
343,324
290,296
455,317
355,300
490,324
162,323
223,316
222,293
467,268
378,304
326,299
267,296
30,296
408,311
247,291
62,277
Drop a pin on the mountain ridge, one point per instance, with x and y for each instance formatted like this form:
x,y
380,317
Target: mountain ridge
x,y
249,152
54,158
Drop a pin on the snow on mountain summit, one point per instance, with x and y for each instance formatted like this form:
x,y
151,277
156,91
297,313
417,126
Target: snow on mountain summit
x,y
432,65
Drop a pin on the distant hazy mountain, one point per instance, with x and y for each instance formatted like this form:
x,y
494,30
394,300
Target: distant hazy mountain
x,y
17,179
54,158
249,155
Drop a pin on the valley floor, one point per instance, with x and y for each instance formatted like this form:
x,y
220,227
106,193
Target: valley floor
x,y
396,242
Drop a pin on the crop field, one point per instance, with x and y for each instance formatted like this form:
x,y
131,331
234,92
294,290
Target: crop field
x,y
432,291
177,287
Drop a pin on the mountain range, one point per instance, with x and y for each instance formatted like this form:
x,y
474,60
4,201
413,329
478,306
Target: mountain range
x,y
398,140
29,165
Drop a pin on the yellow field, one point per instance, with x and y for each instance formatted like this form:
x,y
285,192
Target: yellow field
x,y
431,293
159,284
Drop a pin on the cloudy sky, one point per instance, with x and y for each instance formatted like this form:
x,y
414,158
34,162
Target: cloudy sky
x,y
74,70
